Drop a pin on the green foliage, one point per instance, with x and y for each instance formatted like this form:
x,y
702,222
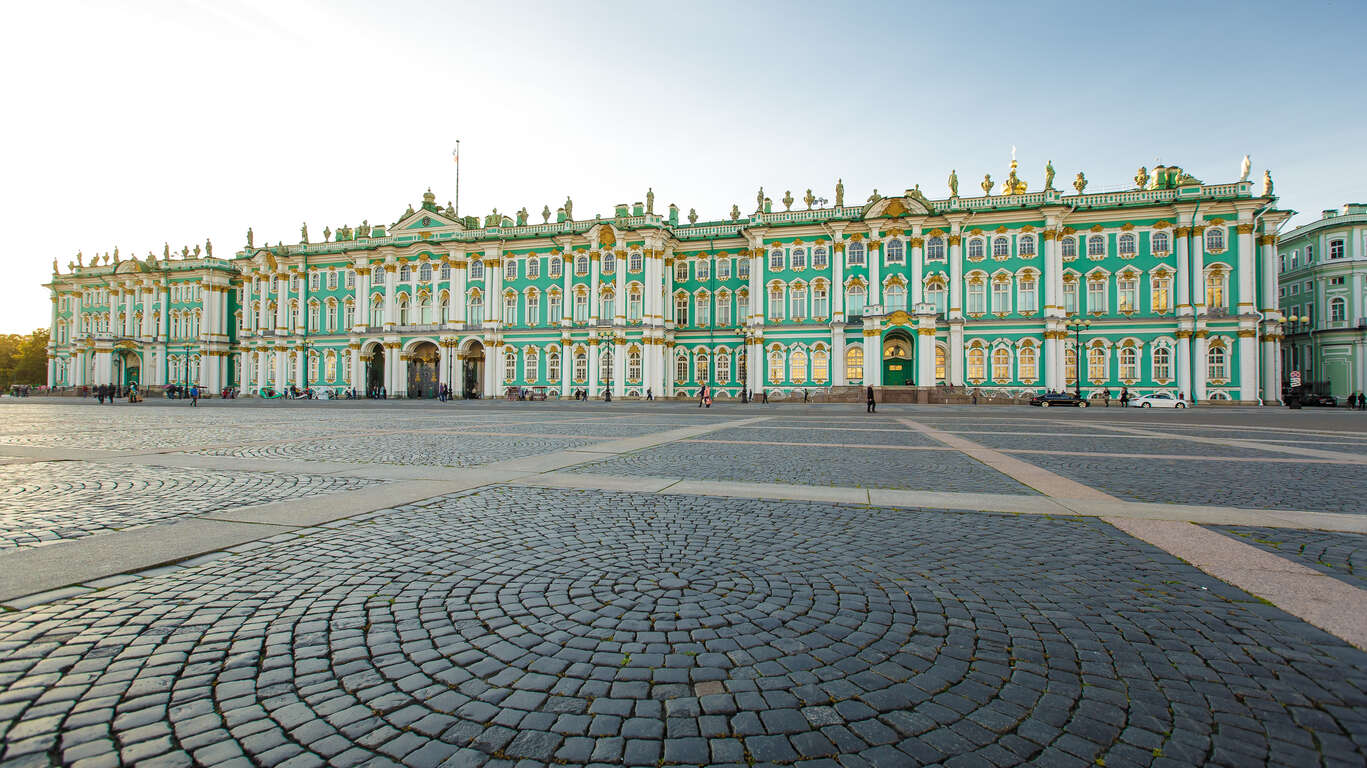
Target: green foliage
x,y
23,359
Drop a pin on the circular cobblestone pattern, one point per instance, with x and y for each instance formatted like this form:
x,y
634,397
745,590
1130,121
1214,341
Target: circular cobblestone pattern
x,y
523,627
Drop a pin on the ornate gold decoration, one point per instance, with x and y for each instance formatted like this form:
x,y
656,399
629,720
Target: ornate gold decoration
x,y
895,209
1198,229
937,232
1267,239
1247,333
1181,231
917,242
1048,234
1127,227
955,239
1216,222
900,317
925,331
1244,229
1095,228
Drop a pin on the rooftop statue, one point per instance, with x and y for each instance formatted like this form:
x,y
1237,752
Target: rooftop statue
x,y
809,198
304,233
1080,183
1267,183
545,214
166,247
1245,168
735,212
1049,175
953,183
650,200
208,247
759,200
54,266
1141,179
692,215
249,238
839,193
116,254
569,208
78,259
874,197
522,217
987,184
327,234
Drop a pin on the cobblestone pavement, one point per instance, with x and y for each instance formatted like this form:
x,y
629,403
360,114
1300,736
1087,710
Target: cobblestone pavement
x,y
1339,554
524,627
49,502
446,449
812,465
1250,484
517,626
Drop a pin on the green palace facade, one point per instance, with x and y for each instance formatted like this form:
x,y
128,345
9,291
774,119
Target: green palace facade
x,y
1324,299
1176,281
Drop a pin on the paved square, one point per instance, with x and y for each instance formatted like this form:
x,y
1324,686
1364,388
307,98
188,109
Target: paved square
x,y
539,584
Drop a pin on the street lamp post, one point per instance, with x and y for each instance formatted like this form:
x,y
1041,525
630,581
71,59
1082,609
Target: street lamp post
x,y
1077,327
306,346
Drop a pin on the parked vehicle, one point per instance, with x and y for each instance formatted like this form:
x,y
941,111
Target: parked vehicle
x,y
1158,400
1323,401
1050,399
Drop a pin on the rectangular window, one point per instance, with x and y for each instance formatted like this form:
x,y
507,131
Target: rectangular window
x,y
556,308
1162,294
533,268
510,270
723,310
977,298
1027,296
1001,296
703,270
1070,298
704,310
799,299
533,309
1128,289
555,267
723,269
821,304
1096,296
743,269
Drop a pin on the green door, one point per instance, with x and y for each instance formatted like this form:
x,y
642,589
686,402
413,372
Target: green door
x,y
897,372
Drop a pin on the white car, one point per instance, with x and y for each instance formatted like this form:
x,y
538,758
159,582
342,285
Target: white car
x,y
1158,400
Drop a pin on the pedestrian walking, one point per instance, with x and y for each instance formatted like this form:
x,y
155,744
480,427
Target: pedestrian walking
x,y
1125,397
194,396
649,395
805,396
99,393
872,405
1106,396
702,395
744,395
764,397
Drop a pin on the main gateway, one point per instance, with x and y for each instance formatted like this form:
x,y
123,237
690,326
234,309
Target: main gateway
x,y
1178,279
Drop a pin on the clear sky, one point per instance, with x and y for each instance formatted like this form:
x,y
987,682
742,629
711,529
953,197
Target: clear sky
x,y
134,124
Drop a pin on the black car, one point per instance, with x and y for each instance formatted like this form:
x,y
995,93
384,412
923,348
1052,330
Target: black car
x,y
1058,399
1325,401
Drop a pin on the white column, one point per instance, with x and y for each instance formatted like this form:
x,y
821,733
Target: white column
x,y
873,358
360,294
838,286
114,299
593,369
390,313
148,329
566,360
1198,367
282,306
619,365
838,354
1248,365
1183,278
956,353
916,258
593,291
492,376
875,257
619,304
493,278
1246,269
567,274
1198,268
1183,362
458,278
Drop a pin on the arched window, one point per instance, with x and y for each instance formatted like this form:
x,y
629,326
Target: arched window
x,y
634,303
1001,364
1215,239
1096,246
444,308
700,366
775,366
975,249
606,306
605,366
634,364
609,262
1162,364
681,367
855,298
1069,248
425,309
1215,288
1026,245
820,259
797,366
1337,310
556,265
581,305
896,252
1127,245
977,364
634,262
775,260
445,272
581,366
403,309
1217,367
314,319
1070,365
681,309
821,366
425,272
776,301
553,365
474,311
681,271
1159,243
405,274
1129,363
854,364
476,269
1027,361
581,265
854,255
332,279
377,312
799,258
313,367
1001,248
1096,365
1161,289
935,248
940,363
895,297
935,294
509,366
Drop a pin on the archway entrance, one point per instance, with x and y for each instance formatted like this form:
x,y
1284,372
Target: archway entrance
x,y
422,370
473,370
374,371
897,360
130,363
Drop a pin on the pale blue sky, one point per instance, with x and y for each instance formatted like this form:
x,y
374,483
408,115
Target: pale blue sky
x,y
138,123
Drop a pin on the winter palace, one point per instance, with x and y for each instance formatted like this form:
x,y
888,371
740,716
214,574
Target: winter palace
x,y
1175,281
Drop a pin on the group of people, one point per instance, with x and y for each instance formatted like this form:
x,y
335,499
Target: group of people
x,y
1357,402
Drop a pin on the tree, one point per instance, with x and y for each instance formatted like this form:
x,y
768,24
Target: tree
x,y
23,358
